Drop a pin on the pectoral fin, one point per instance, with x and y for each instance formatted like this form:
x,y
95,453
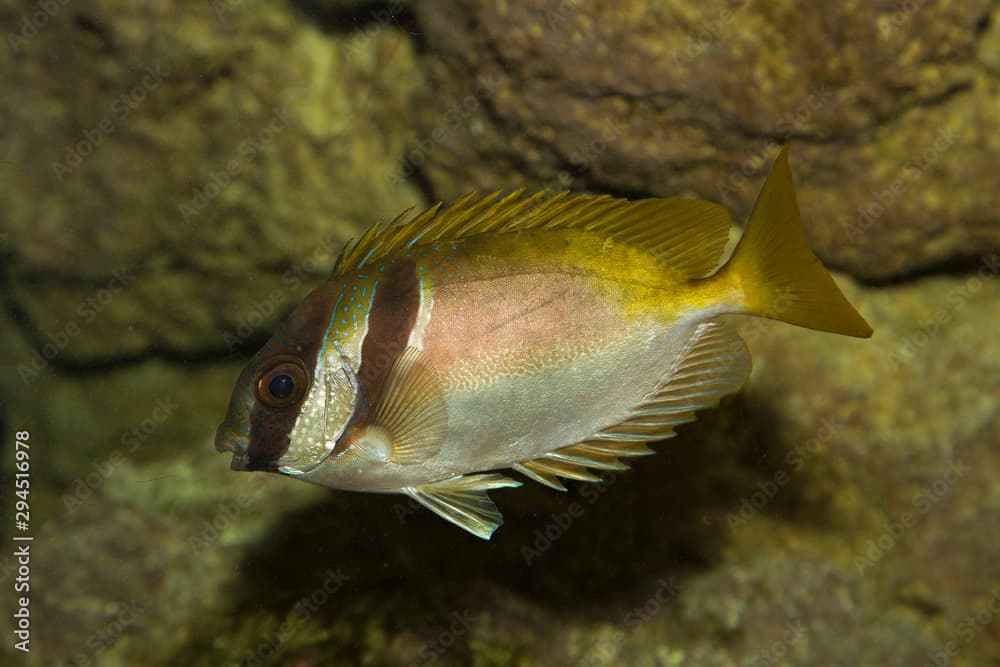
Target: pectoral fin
x,y
409,423
462,500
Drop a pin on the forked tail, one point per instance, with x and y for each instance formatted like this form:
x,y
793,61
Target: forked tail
x,y
778,273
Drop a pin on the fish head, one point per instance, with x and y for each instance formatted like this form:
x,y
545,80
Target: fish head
x,y
293,400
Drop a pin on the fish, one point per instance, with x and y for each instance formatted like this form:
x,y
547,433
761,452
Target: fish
x,y
552,335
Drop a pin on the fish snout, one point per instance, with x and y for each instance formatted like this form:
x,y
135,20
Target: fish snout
x,y
227,440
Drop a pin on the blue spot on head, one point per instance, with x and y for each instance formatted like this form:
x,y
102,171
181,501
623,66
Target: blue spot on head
x,y
345,309
343,321
454,247
381,268
354,288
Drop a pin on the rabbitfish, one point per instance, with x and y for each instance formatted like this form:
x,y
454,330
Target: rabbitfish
x,y
550,335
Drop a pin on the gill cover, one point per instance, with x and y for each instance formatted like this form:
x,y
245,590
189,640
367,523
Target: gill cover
x,y
324,416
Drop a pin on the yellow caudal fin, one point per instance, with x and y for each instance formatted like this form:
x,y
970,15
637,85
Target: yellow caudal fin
x,y
779,275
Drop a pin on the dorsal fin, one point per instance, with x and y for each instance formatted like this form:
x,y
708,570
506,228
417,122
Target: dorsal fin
x,y
714,363
688,235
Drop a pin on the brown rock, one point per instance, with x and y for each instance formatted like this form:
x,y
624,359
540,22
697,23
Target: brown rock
x,y
890,109
176,177
840,510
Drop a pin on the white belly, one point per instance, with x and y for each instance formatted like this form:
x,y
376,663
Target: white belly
x,y
522,416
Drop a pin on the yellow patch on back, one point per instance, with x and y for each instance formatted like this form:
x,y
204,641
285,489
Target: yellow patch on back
x,y
686,235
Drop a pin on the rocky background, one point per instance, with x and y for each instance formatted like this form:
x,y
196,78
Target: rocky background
x,y
175,175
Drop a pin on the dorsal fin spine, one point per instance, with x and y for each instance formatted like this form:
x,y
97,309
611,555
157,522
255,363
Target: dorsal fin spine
x,y
687,235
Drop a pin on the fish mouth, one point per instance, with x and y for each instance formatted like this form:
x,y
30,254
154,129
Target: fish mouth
x,y
227,440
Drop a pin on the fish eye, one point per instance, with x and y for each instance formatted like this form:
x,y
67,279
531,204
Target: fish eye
x,y
281,386
283,383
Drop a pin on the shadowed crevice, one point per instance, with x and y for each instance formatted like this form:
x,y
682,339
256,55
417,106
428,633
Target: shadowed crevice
x,y
664,520
346,18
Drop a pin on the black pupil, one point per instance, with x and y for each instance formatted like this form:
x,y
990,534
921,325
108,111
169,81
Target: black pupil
x,y
281,386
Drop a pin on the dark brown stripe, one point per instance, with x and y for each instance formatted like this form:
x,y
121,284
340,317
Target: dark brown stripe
x,y
300,336
390,321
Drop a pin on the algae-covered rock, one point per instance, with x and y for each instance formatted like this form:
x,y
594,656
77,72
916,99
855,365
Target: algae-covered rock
x,y
176,173
889,107
772,611
841,510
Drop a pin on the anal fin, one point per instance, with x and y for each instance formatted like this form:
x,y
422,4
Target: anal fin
x,y
463,501
714,363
